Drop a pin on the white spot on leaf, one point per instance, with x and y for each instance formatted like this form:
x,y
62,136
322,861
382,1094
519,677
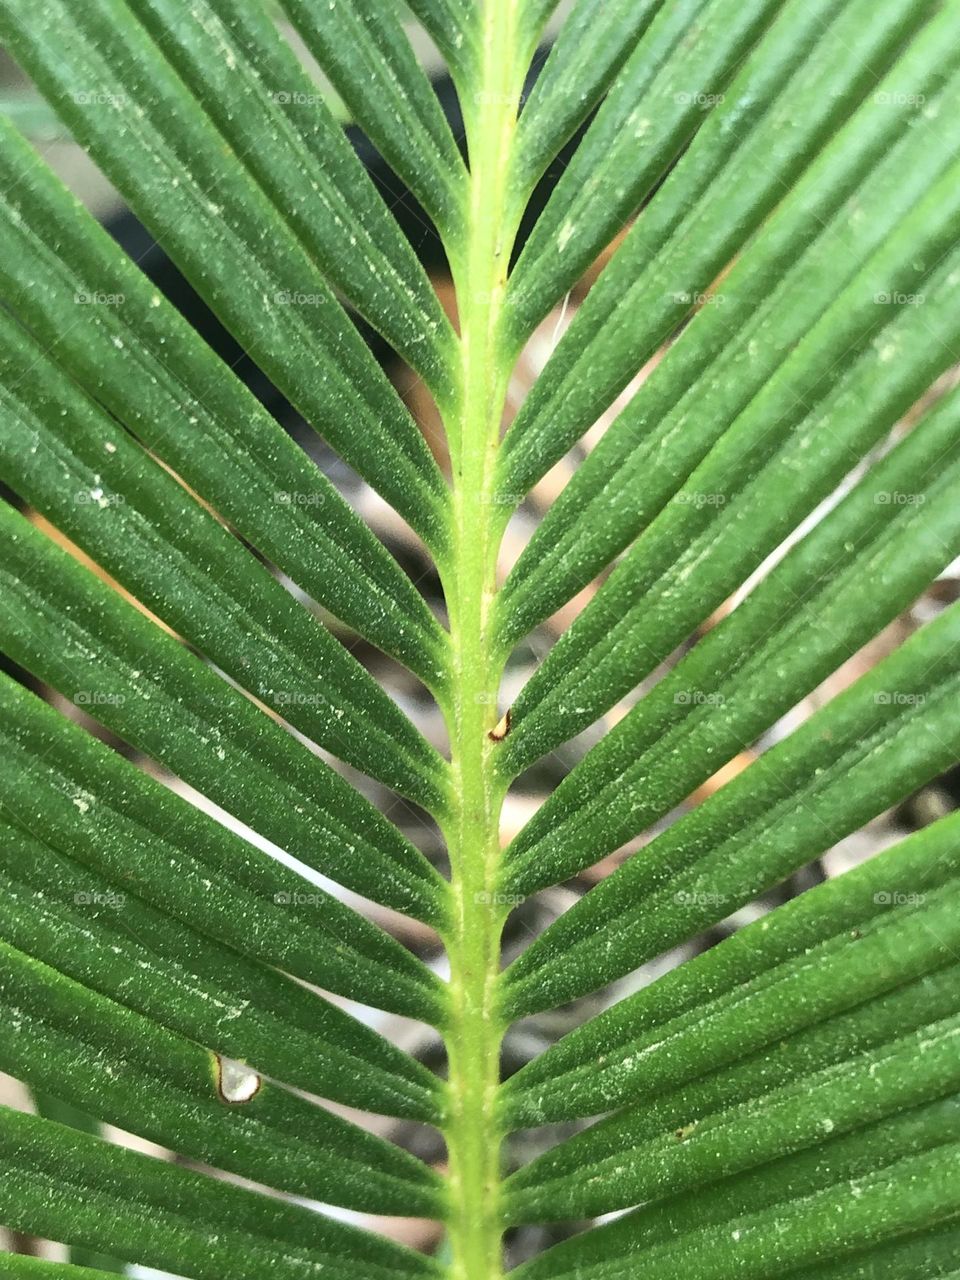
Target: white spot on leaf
x,y
236,1082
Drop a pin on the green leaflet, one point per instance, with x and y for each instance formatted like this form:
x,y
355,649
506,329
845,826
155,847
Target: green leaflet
x,y
54,1176
19,1267
653,109
870,1027
96,930
105,493
188,196
353,239
833,977
679,246
603,195
363,49
828,1224
868,748
54,1109
848,200
929,1256
589,50
579,1179
82,798
149,1081
452,27
915,1193
154,373
812,612
601,1064
845,1158
533,16
699,549
76,634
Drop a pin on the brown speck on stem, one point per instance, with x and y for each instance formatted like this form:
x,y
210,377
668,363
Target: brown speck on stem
x,y
502,729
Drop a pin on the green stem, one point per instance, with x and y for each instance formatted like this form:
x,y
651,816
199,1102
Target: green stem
x,y
475,1026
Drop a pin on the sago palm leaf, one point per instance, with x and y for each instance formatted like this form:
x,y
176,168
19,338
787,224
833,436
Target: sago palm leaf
x,y
781,181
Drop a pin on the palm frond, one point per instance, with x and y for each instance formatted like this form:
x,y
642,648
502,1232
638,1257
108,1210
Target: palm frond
x,y
210,804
